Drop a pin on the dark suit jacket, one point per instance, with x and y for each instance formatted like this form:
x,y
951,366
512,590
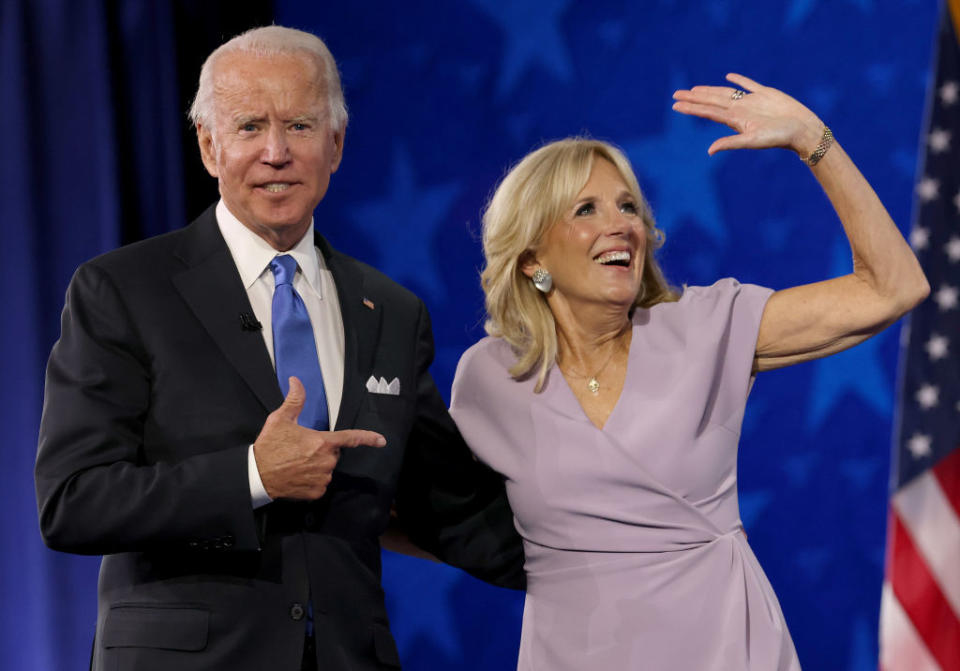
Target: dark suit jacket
x,y
154,393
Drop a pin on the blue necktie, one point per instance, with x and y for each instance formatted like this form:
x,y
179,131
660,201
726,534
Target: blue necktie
x,y
295,353
294,348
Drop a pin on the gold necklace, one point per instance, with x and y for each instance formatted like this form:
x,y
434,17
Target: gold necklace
x,y
593,384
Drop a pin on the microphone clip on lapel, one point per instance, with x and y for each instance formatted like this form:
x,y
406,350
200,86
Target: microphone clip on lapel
x,y
248,322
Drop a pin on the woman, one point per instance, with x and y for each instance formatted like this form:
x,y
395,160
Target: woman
x,y
613,406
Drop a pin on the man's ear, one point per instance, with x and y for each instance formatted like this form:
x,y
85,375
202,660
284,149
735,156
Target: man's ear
x,y
338,137
208,151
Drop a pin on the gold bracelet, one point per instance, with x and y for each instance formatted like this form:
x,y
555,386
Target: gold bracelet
x,y
821,149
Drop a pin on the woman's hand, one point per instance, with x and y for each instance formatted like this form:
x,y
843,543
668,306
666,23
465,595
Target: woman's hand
x,y
763,117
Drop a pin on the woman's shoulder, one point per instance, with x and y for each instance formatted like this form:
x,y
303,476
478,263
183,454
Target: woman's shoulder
x,y
488,351
722,288
703,310
722,293
483,373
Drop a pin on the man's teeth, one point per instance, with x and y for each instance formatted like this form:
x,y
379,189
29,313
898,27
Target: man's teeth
x,y
613,257
276,187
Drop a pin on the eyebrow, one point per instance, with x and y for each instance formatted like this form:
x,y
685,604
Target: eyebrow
x,y
257,118
626,193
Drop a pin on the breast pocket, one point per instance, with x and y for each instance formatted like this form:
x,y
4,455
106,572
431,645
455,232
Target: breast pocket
x,y
390,416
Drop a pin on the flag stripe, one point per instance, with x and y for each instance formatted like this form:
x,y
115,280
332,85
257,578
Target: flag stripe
x,y
902,647
922,601
948,475
935,530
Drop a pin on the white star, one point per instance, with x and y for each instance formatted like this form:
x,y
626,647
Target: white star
x,y
928,188
946,297
956,201
949,93
939,140
937,346
919,238
952,248
919,445
928,396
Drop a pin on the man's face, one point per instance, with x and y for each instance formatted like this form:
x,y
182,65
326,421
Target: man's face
x,y
271,146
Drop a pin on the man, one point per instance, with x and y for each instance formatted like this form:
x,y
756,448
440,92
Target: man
x,y
235,537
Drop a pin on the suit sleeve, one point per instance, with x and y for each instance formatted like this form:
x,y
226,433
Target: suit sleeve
x,y
450,504
96,490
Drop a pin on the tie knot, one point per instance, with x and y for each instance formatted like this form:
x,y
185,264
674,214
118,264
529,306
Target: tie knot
x,y
284,268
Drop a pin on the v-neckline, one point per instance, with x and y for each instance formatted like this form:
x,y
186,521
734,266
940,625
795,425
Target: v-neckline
x,y
572,397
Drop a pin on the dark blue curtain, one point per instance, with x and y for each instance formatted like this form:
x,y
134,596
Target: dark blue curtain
x,y
443,96
92,159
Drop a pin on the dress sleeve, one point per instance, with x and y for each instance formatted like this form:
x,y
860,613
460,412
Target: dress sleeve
x,y
488,405
722,322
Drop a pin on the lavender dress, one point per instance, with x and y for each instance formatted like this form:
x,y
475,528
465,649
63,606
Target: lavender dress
x,y
635,553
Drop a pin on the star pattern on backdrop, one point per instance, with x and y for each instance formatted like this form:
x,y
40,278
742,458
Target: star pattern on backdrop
x,y
812,561
499,77
533,39
682,176
861,472
800,10
858,371
752,505
432,594
411,212
882,78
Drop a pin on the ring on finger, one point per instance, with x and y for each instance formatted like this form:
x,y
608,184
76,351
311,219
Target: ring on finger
x,y
736,95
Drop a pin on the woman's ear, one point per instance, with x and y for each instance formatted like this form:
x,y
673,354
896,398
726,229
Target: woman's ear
x,y
528,263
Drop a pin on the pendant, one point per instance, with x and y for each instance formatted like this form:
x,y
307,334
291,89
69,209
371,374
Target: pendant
x,y
593,385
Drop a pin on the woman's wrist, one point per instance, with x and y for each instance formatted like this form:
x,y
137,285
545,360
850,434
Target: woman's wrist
x,y
809,138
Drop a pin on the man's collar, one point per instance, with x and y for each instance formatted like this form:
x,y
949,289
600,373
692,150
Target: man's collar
x,y
253,254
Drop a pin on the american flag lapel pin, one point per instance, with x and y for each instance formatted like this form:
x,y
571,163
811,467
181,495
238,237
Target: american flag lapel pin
x,y
368,302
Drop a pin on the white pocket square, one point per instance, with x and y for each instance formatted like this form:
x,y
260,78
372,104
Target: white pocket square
x,y
381,386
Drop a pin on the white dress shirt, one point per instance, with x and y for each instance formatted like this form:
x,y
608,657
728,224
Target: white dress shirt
x,y
314,282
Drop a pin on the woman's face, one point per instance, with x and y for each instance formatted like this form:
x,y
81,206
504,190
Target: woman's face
x,y
595,252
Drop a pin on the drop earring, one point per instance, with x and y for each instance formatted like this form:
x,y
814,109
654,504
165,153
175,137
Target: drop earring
x,y
542,280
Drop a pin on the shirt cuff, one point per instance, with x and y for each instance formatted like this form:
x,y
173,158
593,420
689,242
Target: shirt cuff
x,y
258,495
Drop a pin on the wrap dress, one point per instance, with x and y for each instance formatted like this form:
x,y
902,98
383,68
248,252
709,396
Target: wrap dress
x,y
635,552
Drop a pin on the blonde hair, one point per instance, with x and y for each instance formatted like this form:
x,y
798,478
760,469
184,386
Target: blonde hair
x,y
528,202
273,41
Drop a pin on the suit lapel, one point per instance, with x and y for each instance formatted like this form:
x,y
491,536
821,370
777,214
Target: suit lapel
x,y
211,286
362,316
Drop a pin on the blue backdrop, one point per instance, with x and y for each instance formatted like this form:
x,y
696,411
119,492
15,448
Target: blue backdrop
x,y
443,97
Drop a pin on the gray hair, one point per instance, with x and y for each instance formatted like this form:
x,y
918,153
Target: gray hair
x,y
271,41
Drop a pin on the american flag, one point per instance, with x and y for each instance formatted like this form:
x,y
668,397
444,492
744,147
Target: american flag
x,y
920,611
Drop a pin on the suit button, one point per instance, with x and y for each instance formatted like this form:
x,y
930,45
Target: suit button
x,y
296,612
310,521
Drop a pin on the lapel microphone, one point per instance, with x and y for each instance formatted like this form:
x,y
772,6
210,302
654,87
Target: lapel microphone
x,y
248,322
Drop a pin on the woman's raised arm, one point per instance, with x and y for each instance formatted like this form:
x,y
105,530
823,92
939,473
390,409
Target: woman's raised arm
x,y
814,320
